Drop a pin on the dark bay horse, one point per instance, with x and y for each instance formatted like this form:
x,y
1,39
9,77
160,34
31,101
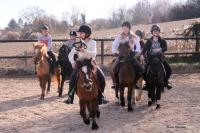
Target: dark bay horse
x,y
66,67
155,80
126,76
87,91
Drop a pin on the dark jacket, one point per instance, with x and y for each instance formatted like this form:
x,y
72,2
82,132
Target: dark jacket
x,y
148,45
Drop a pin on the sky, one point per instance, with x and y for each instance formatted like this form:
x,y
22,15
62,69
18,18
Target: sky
x,y
92,8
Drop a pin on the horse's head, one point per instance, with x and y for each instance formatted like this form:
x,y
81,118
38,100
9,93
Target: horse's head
x,y
156,69
63,53
86,74
40,50
124,49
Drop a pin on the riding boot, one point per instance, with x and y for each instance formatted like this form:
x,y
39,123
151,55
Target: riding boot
x,y
72,88
167,76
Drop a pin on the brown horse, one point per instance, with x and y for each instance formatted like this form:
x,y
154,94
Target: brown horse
x,y
87,91
126,76
42,68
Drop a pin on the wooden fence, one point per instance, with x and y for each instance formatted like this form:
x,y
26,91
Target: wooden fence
x,y
102,43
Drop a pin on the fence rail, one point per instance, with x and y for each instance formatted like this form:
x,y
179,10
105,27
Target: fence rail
x,y
102,43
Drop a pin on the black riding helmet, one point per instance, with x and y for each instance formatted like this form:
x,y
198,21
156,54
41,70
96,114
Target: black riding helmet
x,y
139,33
126,24
155,27
86,29
72,33
45,27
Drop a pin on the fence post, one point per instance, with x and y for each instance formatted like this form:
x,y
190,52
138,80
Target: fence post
x,y
197,45
102,52
25,60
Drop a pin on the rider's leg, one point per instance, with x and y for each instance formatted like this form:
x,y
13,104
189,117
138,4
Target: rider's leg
x,y
168,74
72,87
52,64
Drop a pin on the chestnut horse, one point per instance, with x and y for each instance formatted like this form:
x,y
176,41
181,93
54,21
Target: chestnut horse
x,y
42,68
87,91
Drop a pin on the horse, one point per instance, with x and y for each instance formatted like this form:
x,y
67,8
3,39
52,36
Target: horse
x,y
87,91
66,67
43,68
155,80
126,76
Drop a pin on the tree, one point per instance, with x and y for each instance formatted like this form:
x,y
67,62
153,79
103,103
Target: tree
x,y
31,14
83,17
75,17
13,24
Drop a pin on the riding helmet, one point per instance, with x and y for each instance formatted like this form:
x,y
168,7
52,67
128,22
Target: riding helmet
x,y
45,27
86,29
72,33
139,33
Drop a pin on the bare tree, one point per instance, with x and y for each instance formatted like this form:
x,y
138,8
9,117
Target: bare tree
x,y
31,14
83,17
75,17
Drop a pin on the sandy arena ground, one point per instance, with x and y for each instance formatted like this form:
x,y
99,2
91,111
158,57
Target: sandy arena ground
x,y
21,111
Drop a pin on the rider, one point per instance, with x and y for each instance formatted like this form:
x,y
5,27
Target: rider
x,y
140,34
156,46
133,40
88,53
46,39
72,40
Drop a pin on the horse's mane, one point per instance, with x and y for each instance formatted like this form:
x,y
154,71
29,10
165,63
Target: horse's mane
x,y
42,47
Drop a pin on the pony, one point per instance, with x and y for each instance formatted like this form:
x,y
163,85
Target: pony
x,y
155,80
87,91
43,68
66,67
127,77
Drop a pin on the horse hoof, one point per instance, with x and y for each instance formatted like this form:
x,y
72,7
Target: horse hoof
x,y
94,126
41,98
130,109
158,106
122,104
87,121
149,103
98,114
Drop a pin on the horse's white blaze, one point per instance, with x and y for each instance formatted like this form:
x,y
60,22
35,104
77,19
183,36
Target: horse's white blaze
x,y
85,70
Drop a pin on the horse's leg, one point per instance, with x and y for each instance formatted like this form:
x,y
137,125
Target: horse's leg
x,y
98,112
158,96
93,114
62,84
43,88
151,93
122,99
49,84
129,97
139,91
83,112
58,81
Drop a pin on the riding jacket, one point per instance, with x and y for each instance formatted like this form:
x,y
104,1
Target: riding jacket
x,y
70,43
88,53
154,47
